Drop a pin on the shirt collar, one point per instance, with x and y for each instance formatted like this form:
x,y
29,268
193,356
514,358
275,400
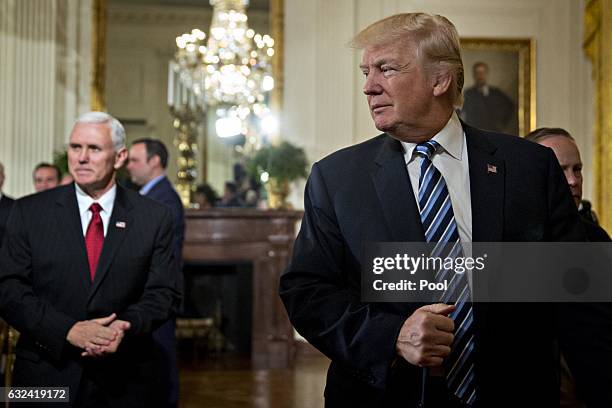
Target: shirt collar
x,y
484,90
85,201
450,138
147,187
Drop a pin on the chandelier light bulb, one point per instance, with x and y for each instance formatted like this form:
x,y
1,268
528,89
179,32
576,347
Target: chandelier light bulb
x,y
228,127
268,83
269,124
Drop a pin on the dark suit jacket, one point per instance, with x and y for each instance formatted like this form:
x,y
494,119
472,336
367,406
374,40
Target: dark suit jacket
x,y
363,194
594,232
163,192
45,289
6,203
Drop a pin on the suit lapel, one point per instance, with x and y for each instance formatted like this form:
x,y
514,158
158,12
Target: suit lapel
x,y
119,223
69,226
392,184
487,188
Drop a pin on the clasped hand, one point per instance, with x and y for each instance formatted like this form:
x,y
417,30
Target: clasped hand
x,y
98,337
426,337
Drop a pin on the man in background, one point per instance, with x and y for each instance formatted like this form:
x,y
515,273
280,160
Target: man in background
x,y
231,196
46,176
86,275
6,203
147,163
485,106
565,149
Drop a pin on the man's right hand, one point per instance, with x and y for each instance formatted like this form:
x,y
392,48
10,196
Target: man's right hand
x,y
121,326
426,337
93,334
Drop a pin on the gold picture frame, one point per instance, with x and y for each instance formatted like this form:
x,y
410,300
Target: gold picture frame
x,y
512,61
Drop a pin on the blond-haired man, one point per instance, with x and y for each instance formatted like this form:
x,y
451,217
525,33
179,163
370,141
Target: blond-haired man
x,y
429,177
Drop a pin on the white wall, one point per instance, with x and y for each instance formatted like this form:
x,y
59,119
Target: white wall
x,y
325,110
45,59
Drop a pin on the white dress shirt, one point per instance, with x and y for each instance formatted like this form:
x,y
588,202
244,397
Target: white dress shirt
x,y
107,202
452,162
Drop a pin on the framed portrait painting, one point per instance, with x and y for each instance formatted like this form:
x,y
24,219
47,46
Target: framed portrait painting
x,y
499,88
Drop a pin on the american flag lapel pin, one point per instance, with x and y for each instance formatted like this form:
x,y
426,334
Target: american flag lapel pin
x,y
120,224
491,169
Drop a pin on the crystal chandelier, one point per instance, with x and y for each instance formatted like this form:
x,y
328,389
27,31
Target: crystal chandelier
x,y
230,70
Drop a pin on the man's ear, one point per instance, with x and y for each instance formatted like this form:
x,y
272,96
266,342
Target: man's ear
x,y
120,159
442,84
155,161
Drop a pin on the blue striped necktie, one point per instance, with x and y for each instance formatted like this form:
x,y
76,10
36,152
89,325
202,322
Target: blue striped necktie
x,y
439,224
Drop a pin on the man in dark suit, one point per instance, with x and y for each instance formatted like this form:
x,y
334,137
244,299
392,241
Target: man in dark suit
x,y
486,187
6,203
147,165
565,149
86,275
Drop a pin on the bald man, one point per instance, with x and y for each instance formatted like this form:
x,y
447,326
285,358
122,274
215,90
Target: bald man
x,y
567,153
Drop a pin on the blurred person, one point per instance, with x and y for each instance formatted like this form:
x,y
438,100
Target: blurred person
x,y
567,153
231,197
205,196
6,203
147,163
564,146
86,275
46,176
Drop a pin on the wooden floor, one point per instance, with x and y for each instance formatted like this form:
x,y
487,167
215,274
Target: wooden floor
x,y
229,383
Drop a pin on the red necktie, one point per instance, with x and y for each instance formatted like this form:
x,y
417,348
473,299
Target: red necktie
x,y
94,239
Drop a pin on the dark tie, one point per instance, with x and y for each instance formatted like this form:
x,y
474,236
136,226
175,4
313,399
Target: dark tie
x,y
94,239
439,223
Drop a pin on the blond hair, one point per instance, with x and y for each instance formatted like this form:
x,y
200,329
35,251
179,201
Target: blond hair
x,y
436,42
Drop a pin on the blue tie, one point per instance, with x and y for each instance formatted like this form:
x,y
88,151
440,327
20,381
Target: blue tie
x,y
438,221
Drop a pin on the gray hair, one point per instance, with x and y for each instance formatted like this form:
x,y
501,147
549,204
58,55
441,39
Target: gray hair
x,y
116,128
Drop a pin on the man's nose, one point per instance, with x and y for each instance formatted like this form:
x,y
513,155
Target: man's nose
x,y
571,178
371,86
83,156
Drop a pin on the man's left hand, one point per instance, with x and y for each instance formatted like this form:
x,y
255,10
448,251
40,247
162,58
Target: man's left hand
x,y
120,326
